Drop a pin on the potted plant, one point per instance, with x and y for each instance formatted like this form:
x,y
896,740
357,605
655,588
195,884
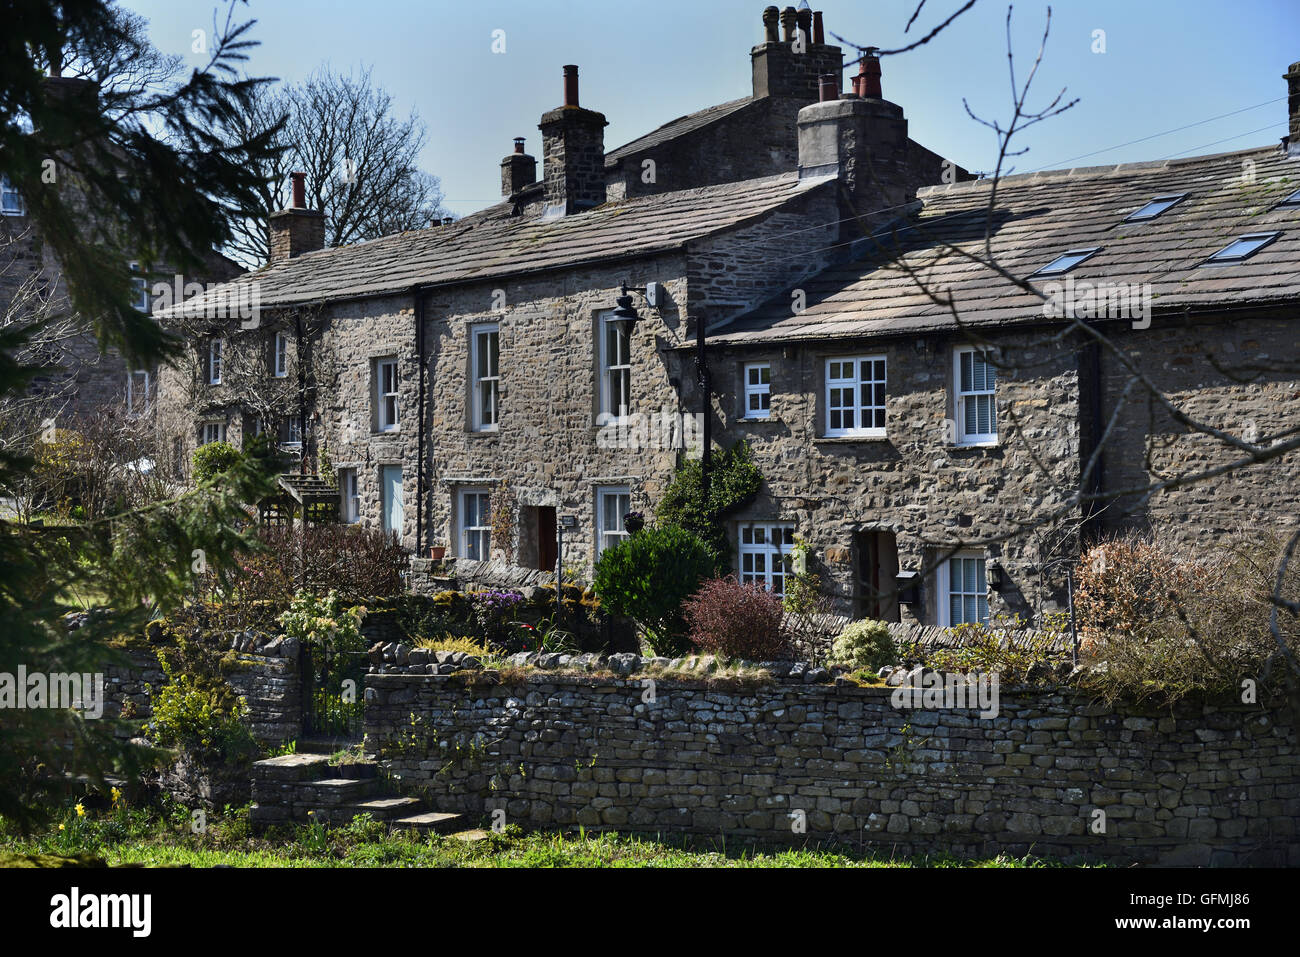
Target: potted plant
x,y
634,521
437,552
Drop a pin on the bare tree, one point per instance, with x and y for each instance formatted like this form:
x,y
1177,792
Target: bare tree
x,y
360,159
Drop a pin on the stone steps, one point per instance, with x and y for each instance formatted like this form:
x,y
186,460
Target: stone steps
x,y
306,788
434,821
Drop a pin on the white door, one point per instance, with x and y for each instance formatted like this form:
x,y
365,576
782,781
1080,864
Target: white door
x,y
392,486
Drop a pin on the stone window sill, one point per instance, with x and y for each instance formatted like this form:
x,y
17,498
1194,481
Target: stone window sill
x,y
848,439
769,420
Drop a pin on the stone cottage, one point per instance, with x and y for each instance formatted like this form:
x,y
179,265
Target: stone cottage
x,y
477,385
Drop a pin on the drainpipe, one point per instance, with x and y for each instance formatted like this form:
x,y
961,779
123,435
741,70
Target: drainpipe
x,y
702,373
419,431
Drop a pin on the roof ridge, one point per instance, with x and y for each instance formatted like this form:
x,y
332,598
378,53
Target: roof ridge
x,y
1084,172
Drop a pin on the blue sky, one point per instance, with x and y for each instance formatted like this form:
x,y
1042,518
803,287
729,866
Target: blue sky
x,y
1168,63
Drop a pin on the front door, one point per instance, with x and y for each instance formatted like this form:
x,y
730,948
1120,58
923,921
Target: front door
x,y
391,486
546,538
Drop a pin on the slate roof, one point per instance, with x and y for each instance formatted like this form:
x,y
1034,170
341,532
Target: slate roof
x,y
1039,217
478,249
675,128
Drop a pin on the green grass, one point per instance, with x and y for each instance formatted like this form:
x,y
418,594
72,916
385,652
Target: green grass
x,y
158,839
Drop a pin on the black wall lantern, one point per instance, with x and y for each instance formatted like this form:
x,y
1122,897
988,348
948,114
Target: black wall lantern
x,y
997,576
625,316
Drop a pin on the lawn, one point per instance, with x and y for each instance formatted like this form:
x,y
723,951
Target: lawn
x,y
156,839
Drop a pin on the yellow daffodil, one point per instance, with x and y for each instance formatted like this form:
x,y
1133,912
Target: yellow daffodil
x,y
116,794
81,811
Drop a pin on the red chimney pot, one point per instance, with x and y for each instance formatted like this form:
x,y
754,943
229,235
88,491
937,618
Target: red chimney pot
x,y
868,79
570,85
299,190
819,31
828,86
519,144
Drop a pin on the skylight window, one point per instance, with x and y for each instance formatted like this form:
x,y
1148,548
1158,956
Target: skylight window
x,y
1292,200
1067,261
1154,208
1242,248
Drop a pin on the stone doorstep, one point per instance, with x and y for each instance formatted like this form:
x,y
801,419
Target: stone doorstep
x,y
335,792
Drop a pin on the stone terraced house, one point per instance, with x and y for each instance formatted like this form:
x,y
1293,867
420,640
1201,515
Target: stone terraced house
x,y
463,378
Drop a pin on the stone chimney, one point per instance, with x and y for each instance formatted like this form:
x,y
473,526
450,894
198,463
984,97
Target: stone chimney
x,y
573,153
517,170
863,141
793,55
296,230
1292,77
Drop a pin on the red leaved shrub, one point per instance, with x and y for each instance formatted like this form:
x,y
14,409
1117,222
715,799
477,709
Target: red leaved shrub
x,y
736,621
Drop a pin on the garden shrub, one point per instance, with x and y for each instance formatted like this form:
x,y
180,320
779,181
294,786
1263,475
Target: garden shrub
x,y
865,644
736,621
324,622
200,714
1155,623
648,575
213,459
734,480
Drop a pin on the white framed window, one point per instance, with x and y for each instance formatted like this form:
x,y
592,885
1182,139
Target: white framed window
x,y
855,396
11,201
758,390
141,286
215,347
963,590
474,540
289,433
615,370
280,356
350,496
975,381
612,504
485,343
387,410
390,499
765,554
214,432
137,391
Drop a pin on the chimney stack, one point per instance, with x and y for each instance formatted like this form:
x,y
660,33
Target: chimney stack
x,y
785,68
297,229
517,170
573,153
864,143
1292,77
867,82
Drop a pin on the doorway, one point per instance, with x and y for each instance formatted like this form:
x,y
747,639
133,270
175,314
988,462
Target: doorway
x,y
875,555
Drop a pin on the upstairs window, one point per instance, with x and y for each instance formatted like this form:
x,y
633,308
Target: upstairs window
x,y
387,411
758,390
766,550
1154,208
141,285
214,361
214,432
1067,261
1241,248
280,356
485,361
855,396
615,370
11,201
975,387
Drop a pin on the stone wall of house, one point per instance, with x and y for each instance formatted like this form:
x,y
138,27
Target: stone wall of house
x,y
915,483
1239,376
1052,774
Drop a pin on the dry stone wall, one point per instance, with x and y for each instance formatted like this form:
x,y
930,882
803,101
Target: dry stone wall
x,y
1199,785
